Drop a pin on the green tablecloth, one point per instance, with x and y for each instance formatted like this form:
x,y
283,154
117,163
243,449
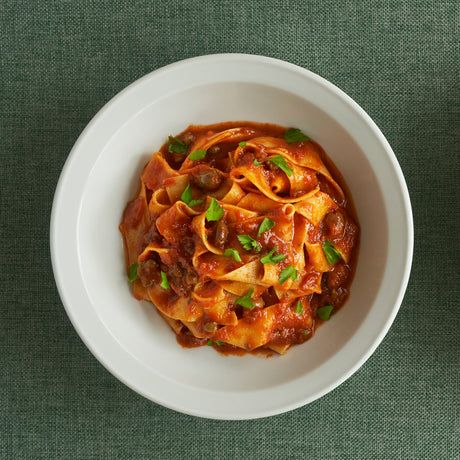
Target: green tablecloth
x,y
62,60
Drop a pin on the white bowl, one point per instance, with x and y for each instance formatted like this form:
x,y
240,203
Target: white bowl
x,y
101,174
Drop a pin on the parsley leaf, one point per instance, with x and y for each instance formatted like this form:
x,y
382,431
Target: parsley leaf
x,y
176,146
295,135
288,272
215,211
282,164
248,243
242,144
186,197
246,301
332,255
266,224
133,272
197,155
231,252
299,308
325,312
164,281
217,342
256,163
273,259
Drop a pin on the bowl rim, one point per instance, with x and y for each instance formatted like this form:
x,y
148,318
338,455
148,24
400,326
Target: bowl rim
x,y
216,58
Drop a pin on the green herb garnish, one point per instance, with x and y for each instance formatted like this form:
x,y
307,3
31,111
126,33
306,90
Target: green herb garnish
x,y
248,243
186,197
217,342
282,164
176,146
164,281
197,155
231,252
295,135
332,255
266,224
242,144
288,272
325,312
246,301
270,258
299,308
256,163
133,272
215,211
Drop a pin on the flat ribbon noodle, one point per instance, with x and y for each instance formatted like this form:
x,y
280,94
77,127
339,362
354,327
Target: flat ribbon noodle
x,y
174,223
156,171
135,220
256,176
159,202
315,207
305,156
215,303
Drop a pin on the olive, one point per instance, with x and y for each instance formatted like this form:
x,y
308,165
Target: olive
x,y
208,179
221,234
215,149
337,276
188,139
210,327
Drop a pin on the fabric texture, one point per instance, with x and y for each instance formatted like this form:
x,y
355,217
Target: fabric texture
x,y
62,60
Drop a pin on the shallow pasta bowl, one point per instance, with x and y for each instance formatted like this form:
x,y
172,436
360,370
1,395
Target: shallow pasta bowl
x,y
101,174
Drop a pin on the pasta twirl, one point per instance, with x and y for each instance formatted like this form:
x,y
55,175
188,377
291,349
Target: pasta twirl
x,y
242,238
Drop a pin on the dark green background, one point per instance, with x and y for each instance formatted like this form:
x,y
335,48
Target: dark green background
x,y
61,61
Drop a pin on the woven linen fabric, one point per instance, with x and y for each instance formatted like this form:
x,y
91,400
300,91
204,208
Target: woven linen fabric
x,y
62,60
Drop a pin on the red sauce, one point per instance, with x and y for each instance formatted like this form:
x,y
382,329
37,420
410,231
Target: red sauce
x,y
339,227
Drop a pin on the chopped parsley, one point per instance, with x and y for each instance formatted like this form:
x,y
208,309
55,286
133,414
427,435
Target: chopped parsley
x,y
197,155
299,308
242,144
246,301
186,197
164,281
286,273
256,163
248,243
217,342
272,258
176,146
332,255
295,135
282,164
266,224
231,252
325,312
133,272
215,211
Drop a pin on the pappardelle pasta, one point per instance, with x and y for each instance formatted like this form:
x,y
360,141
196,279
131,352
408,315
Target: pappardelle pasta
x,y
241,236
